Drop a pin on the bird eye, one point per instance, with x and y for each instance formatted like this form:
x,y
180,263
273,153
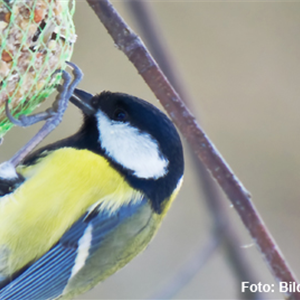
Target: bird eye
x,y
119,115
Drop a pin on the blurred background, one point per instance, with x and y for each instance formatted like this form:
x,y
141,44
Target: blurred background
x,y
239,62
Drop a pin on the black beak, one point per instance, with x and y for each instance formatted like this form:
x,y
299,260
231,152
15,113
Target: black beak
x,y
82,100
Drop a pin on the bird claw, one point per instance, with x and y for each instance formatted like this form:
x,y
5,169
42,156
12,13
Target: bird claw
x,y
63,96
52,115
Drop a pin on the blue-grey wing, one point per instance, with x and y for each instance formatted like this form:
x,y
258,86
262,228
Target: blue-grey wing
x,y
48,276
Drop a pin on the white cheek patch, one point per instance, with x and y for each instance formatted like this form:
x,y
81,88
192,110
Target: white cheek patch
x,y
134,150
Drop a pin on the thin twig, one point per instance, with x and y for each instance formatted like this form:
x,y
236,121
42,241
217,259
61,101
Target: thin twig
x,y
133,47
142,12
189,269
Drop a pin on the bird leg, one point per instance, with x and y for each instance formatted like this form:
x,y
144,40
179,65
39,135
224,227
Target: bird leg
x,y
53,116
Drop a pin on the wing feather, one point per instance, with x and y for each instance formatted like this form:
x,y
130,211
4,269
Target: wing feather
x,y
47,277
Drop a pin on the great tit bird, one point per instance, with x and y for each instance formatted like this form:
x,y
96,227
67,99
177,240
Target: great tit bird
x,y
76,211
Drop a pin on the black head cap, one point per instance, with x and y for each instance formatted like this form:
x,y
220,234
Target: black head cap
x,y
119,108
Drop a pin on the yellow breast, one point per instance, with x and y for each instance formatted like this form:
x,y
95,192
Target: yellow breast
x,y
57,191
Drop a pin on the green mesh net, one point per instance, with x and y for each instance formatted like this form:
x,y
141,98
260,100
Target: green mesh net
x,y
36,38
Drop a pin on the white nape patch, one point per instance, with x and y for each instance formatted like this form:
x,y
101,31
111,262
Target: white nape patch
x,y
8,171
83,250
179,184
134,150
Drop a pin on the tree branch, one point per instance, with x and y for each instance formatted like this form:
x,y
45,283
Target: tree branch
x,y
239,263
133,47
